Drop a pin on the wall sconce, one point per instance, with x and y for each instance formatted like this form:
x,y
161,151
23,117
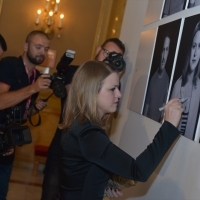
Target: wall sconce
x,y
50,18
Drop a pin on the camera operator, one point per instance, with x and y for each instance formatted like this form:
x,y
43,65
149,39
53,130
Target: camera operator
x,y
51,173
20,83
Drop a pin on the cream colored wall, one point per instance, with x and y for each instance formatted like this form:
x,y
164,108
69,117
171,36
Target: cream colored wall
x,y
110,18
178,175
79,25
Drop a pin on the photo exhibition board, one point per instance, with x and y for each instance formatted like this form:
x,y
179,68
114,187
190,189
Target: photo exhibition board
x,y
163,8
186,80
143,60
148,55
148,59
173,6
161,70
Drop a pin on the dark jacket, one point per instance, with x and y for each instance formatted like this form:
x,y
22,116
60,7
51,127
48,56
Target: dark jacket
x,y
88,158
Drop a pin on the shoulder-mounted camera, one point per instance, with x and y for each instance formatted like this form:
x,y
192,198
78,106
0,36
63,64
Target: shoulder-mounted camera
x,y
12,132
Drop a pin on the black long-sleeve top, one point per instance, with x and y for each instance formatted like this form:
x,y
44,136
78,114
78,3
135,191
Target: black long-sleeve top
x,y
88,158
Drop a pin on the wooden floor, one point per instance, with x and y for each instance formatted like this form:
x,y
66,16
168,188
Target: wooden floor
x,y
24,186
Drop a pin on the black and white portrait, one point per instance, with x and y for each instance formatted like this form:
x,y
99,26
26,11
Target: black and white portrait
x,y
186,82
161,70
173,6
193,3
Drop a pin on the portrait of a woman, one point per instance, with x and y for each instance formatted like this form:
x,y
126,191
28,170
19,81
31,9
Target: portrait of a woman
x,y
188,86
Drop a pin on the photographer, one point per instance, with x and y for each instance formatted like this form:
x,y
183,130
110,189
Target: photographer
x,y
51,180
19,86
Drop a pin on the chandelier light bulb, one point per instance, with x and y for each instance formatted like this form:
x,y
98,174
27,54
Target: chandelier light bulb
x,y
60,22
39,12
38,17
50,13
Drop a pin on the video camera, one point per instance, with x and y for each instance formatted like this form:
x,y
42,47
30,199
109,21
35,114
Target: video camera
x,y
116,60
58,78
14,134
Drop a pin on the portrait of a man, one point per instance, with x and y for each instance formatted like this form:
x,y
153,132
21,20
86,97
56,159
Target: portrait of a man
x,y
173,6
161,69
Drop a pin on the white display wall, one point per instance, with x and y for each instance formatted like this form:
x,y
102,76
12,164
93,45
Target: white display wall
x,y
178,175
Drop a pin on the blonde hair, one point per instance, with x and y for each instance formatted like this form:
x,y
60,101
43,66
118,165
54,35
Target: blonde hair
x,y
81,102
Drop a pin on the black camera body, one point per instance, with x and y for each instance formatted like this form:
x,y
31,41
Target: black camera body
x,y
58,78
13,133
117,61
15,136
57,84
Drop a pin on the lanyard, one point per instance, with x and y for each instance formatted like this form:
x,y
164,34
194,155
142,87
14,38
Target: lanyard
x,y
28,101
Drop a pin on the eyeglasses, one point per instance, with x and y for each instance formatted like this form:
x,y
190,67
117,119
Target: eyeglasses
x,y
105,52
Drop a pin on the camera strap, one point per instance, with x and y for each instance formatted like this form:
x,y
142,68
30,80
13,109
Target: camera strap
x,y
39,117
28,101
35,108
29,109
32,98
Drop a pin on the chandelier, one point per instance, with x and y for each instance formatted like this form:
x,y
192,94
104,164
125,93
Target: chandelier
x,y
51,18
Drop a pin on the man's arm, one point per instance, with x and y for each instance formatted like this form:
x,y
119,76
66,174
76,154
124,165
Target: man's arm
x,y
39,105
11,98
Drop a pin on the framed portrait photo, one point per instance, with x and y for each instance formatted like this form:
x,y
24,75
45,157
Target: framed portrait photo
x,y
173,6
161,70
186,80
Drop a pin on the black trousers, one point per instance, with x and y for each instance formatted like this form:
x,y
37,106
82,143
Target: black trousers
x,y
51,181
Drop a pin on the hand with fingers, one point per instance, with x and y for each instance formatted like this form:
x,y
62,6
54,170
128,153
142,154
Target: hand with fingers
x,y
173,111
113,192
43,82
40,104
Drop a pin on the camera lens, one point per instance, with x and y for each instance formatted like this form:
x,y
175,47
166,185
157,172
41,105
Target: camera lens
x,y
119,65
59,89
116,60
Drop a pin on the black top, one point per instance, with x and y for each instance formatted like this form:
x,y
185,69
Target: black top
x,y
13,73
53,152
89,157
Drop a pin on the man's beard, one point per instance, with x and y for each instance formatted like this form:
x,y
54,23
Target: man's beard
x,y
34,60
